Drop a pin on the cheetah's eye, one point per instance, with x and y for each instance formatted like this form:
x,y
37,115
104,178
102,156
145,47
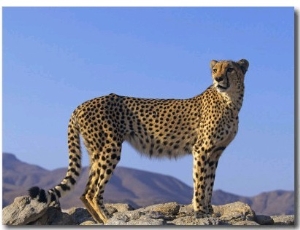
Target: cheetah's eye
x,y
229,70
215,70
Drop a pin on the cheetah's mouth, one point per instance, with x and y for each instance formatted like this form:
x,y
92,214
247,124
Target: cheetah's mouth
x,y
222,88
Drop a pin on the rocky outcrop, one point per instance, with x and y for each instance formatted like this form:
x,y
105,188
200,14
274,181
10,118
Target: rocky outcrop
x,y
25,211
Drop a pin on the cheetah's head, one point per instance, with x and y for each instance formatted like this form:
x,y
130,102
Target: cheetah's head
x,y
228,75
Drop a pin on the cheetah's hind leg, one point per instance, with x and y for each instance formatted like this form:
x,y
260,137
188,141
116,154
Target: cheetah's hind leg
x,y
102,168
88,197
97,217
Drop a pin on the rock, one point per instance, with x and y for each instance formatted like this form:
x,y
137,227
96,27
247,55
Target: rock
x,y
167,209
191,220
234,212
54,216
283,220
118,219
151,215
147,220
119,207
264,220
79,215
137,217
23,211
134,215
245,222
90,222
186,210
26,211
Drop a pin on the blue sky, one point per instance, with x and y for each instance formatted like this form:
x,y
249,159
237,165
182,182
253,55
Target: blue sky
x,y
56,58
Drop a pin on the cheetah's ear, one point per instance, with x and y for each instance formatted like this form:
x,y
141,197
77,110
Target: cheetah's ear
x,y
212,63
244,64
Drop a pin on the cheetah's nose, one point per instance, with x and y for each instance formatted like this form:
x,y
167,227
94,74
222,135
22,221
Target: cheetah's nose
x,y
218,79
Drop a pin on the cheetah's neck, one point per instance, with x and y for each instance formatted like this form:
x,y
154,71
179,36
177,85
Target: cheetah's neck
x,y
234,99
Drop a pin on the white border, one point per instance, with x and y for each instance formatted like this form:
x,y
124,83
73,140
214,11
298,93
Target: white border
x,y
161,3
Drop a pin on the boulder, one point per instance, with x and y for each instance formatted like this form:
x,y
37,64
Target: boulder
x,y
234,212
23,211
264,220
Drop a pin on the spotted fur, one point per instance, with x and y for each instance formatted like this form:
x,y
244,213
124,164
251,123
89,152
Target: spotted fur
x,y
203,126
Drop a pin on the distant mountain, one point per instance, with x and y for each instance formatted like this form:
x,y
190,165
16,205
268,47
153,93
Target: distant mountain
x,y
136,187
278,202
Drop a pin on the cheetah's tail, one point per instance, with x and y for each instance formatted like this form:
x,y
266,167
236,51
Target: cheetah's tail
x,y
73,172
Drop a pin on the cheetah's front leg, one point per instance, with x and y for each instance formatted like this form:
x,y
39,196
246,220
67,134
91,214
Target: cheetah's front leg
x,y
211,166
211,173
205,165
199,178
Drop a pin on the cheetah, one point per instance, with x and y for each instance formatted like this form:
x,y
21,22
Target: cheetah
x,y
202,126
